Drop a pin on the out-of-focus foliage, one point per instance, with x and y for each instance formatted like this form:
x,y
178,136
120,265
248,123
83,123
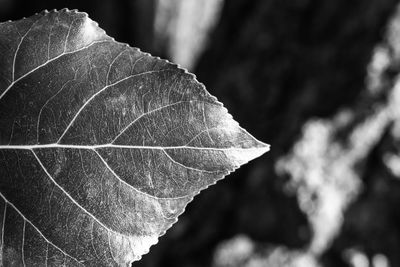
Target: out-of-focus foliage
x,y
345,172
243,252
183,26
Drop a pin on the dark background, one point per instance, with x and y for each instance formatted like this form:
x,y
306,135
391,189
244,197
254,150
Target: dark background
x,y
276,65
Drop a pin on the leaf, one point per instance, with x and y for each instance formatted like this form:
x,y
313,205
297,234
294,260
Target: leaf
x,y
101,145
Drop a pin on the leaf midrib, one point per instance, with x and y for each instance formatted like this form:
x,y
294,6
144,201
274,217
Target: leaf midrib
x,y
93,147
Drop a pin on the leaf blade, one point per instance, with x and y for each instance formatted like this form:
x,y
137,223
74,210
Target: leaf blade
x,y
102,146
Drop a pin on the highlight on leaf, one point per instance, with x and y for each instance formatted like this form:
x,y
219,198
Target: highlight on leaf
x,y
101,145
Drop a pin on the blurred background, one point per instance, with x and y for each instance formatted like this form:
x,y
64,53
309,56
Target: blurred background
x,y
316,79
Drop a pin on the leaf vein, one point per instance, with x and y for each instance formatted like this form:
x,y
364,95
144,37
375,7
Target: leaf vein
x,y
55,145
72,199
17,50
2,230
23,244
47,62
48,241
130,186
145,114
185,166
100,91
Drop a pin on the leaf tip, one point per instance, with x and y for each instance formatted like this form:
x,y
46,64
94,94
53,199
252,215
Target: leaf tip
x,y
263,147
259,150
245,155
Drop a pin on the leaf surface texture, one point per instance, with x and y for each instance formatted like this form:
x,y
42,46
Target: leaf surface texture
x,y
101,145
